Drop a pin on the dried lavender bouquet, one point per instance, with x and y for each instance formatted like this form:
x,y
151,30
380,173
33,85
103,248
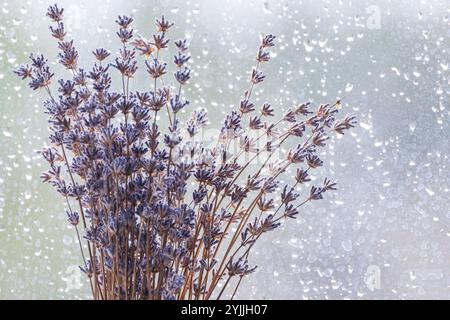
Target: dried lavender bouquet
x,y
160,214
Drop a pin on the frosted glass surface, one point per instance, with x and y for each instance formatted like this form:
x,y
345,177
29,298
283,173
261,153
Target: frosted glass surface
x,y
384,234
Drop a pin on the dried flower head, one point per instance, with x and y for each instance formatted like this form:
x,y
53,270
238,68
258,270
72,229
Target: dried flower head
x,y
55,13
101,54
163,25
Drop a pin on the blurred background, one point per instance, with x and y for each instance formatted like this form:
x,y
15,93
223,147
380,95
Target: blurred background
x,y
385,234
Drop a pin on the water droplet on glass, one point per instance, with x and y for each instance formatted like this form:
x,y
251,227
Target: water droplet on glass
x,y
347,245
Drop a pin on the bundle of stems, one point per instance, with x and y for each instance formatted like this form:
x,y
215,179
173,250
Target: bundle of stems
x,y
159,212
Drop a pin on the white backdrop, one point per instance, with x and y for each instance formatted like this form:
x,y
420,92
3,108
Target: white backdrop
x,y
384,234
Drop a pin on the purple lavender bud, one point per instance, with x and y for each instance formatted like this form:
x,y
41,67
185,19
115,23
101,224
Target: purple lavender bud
x,y
155,68
160,41
262,56
319,139
101,54
267,41
267,110
246,106
66,87
328,185
347,123
257,76
177,103
314,161
181,59
124,21
58,32
41,78
163,25
38,61
302,176
255,123
125,35
290,211
316,193
24,71
182,45
265,204
69,58
287,196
